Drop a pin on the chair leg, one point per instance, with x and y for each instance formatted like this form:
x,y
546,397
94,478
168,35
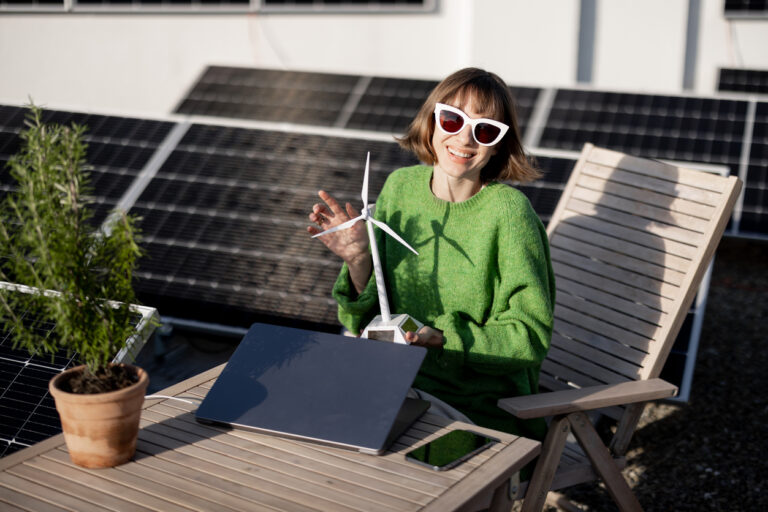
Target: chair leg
x,y
546,465
603,463
500,501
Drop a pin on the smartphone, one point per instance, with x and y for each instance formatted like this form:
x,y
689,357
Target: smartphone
x,y
449,450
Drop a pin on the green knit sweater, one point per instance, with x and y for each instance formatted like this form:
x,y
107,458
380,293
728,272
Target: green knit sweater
x,y
483,276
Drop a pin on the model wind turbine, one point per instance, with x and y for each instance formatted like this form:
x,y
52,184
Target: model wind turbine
x,y
384,327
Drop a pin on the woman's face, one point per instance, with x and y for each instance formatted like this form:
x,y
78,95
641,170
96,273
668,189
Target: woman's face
x,y
459,155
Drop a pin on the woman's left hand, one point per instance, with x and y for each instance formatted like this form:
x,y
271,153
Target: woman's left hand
x,y
425,337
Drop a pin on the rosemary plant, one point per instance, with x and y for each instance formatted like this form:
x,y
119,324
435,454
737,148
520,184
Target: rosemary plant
x,y
74,274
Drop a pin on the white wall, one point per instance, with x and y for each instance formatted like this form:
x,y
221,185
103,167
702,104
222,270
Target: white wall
x,y
728,44
142,64
129,63
527,42
640,46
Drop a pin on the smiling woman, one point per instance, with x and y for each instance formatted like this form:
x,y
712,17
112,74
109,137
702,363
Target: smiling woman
x,y
482,282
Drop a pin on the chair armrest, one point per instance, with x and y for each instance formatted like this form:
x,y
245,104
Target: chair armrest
x,y
585,399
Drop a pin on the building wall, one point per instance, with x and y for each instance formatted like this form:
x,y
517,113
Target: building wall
x,y
143,63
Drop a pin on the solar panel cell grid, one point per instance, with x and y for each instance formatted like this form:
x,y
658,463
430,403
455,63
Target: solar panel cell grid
x,y
225,218
27,412
270,95
746,6
386,105
525,101
678,128
390,104
743,80
118,149
754,217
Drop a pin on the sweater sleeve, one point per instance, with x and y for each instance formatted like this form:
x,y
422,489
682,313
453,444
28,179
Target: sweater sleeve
x,y
355,311
517,333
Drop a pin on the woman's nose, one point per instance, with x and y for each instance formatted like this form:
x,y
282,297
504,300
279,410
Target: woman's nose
x,y
465,135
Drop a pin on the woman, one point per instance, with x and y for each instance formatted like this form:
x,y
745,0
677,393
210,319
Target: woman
x,y
482,283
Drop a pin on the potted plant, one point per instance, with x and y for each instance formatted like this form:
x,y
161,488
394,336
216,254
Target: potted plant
x,y
67,271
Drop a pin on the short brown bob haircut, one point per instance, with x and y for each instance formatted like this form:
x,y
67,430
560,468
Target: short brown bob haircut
x,y
491,96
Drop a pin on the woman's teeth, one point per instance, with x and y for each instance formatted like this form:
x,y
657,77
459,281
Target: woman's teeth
x,y
458,153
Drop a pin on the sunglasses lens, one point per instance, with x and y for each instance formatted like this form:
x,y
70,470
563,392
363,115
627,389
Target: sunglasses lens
x,y
486,133
450,122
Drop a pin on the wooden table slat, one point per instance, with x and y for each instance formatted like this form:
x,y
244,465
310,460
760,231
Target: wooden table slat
x,y
90,478
394,467
324,467
212,475
310,495
9,507
85,494
292,465
53,500
9,486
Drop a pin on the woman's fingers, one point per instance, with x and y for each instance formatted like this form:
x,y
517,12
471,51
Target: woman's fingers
x,y
425,337
331,202
351,211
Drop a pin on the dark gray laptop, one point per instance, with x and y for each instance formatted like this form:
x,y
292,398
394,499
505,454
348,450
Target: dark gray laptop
x,y
316,386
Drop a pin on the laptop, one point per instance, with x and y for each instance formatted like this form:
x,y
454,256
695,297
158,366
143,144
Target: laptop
x,y
315,386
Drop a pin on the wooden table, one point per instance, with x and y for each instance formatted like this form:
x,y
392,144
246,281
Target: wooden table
x,y
181,465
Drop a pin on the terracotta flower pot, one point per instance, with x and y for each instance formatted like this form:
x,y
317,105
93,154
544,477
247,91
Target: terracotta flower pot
x,y
100,429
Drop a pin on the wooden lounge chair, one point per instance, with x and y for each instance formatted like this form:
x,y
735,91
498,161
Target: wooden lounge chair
x,y
631,239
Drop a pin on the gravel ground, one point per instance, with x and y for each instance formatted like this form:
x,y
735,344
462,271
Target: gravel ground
x,y
711,453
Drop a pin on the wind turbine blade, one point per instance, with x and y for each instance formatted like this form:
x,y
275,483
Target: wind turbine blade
x,y
341,226
394,235
365,181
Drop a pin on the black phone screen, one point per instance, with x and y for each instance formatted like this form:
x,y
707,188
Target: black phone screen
x,y
450,449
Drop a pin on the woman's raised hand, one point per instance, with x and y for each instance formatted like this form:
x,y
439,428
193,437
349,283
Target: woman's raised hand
x,y
350,244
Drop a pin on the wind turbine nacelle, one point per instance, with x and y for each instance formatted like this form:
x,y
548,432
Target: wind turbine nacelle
x,y
393,330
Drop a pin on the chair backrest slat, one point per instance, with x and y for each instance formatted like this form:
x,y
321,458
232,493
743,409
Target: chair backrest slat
x,y
624,263
602,365
635,215
663,188
597,220
637,293
630,240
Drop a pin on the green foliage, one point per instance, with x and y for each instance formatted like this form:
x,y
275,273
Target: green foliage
x,y
47,242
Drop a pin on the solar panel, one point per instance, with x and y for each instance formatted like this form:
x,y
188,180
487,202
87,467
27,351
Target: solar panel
x,y
5,4
694,129
379,104
118,149
176,4
746,7
545,192
27,411
390,104
754,214
368,6
269,95
743,80
225,223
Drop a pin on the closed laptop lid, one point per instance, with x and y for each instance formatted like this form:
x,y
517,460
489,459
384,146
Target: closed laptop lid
x,y
312,385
